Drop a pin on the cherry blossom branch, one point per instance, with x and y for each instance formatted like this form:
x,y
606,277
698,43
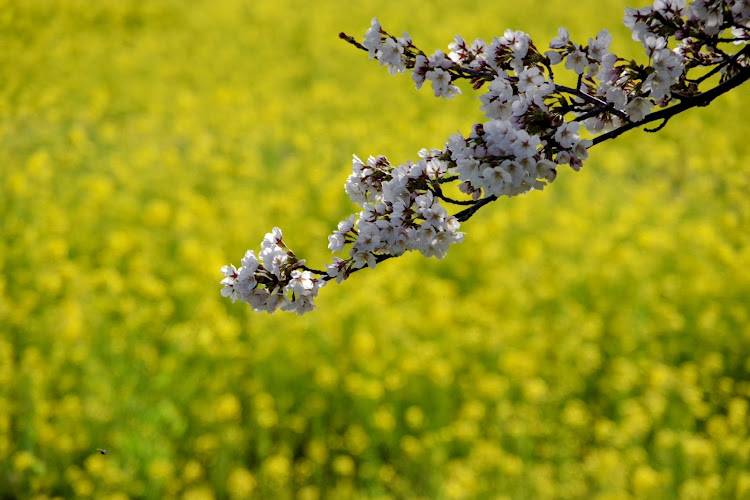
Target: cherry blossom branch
x,y
439,193
468,213
532,128
484,76
700,100
665,115
729,61
603,106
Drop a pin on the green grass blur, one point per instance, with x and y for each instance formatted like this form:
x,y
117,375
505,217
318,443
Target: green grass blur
x,y
586,342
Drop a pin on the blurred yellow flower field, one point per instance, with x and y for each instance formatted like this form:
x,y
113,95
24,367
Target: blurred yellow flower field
x,y
588,341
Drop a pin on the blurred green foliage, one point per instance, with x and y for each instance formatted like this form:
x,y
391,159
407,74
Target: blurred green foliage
x,y
588,341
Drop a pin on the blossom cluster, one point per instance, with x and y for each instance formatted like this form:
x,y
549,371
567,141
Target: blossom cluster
x,y
275,279
400,211
532,127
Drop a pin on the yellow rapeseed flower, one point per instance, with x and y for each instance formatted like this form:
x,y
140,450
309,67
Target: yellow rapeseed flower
x,y
343,465
240,483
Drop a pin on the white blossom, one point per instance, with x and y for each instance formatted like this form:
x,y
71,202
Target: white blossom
x,y
373,38
530,78
561,40
525,145
554,57
638,108
391,54
576,61
567,134
495,179
598,47
441,83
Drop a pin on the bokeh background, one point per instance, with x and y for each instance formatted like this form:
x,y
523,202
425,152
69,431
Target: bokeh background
x,y
588,341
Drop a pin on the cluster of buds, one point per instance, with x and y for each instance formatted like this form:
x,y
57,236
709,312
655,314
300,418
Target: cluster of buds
x,y
532,127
